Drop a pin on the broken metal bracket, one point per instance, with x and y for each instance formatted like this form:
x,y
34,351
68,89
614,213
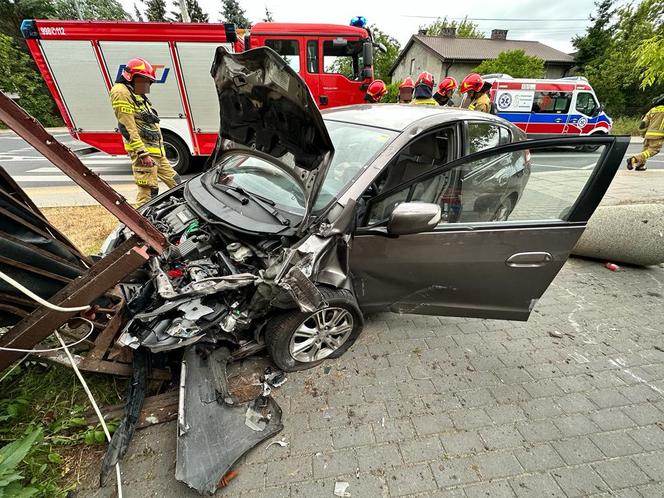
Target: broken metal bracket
x,y
102,276
34,133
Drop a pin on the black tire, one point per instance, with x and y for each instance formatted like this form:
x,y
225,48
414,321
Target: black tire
x,y
177,153
281,329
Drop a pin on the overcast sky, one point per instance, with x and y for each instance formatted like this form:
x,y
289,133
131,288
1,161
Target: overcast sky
x,y
552,23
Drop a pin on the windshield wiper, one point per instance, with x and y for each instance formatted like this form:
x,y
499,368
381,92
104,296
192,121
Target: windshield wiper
x,y
244,196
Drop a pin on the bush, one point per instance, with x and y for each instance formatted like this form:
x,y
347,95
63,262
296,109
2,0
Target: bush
x,y
392,95
626,125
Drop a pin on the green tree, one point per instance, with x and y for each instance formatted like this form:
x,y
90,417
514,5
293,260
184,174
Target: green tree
x,y
91,9
596,40
19,77
383,61
196,13
12,13
268,17
515,63
231,12
650,60
155,10
464,28
616,75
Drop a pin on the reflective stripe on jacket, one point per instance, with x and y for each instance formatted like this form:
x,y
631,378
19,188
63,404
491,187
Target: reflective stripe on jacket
x,y
653,123
137,121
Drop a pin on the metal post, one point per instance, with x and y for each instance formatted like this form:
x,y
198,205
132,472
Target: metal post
x,y
184,10
34,133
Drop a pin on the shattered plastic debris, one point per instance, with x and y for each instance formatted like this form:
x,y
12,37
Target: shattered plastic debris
x,y
257,415
282,443
275,378
612,266
340,488
556,334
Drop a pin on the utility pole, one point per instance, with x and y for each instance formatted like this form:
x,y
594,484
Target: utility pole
x,y
184,11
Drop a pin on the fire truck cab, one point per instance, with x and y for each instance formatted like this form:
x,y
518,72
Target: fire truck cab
x,y
81,60
565,106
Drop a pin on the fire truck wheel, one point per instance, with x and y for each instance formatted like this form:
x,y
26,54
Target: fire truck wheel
x,y
177,153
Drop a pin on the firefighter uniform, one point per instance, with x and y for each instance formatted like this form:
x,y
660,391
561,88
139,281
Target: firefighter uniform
x,y
481,104
139,125
652,129
429,101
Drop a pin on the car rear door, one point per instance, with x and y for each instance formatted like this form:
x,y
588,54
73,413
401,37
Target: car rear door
x,y
468,266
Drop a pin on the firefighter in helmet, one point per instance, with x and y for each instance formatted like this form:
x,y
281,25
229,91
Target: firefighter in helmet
x,y
406,89
652,130
424,89
445,91
138,123
476,92
375,92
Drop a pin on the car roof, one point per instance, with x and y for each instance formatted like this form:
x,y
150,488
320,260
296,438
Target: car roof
x,y
399,117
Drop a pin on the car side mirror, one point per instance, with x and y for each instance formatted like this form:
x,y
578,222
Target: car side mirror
x,y
597,111
413,217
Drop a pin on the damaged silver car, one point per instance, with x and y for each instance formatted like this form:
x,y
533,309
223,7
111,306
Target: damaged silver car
x,y
307,221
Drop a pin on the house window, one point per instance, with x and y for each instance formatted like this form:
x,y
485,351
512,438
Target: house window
x,y
412,66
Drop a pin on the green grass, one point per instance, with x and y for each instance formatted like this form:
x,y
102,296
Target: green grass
x,y
626,126
48,397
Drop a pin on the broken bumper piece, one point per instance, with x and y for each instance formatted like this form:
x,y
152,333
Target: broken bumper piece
x,y
214,430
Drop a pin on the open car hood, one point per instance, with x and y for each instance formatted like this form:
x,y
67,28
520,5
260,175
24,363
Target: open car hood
x,y
265,105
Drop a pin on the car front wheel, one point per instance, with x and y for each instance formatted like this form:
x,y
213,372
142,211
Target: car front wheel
x,y
299,340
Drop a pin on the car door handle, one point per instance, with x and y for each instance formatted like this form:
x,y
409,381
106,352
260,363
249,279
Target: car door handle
x,y
529,259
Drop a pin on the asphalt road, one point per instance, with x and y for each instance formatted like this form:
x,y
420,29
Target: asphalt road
x,y
30,169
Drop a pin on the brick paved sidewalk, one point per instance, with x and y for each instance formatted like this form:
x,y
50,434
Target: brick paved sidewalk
x,y
427,406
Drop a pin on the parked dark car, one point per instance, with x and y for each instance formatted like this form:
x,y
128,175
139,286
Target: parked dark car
x,y
313,220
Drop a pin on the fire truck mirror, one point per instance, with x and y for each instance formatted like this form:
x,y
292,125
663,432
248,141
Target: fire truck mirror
x,y
367,55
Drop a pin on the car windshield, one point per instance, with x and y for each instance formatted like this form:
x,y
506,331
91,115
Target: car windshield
x,y
354,145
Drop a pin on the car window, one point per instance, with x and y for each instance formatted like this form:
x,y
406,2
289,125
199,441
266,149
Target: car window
x,y
289,50
552,102
419,157
354,147
586,103
505,187
342,57
482,136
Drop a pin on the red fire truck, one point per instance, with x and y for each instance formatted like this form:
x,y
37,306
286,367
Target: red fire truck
x,y
80,61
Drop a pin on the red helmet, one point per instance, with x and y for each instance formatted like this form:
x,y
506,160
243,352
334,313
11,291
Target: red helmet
x,y
425,78
376,90
471,82
139,67
447,84
407,83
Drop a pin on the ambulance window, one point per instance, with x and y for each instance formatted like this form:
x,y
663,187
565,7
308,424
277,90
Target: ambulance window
x,y
586,103
551,102
312,56
289,50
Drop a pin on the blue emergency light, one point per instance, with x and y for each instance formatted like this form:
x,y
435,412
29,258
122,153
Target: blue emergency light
x,y
359,22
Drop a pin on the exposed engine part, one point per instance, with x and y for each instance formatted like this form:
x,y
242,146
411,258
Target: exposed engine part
x,y
179,219
197,246
239,252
